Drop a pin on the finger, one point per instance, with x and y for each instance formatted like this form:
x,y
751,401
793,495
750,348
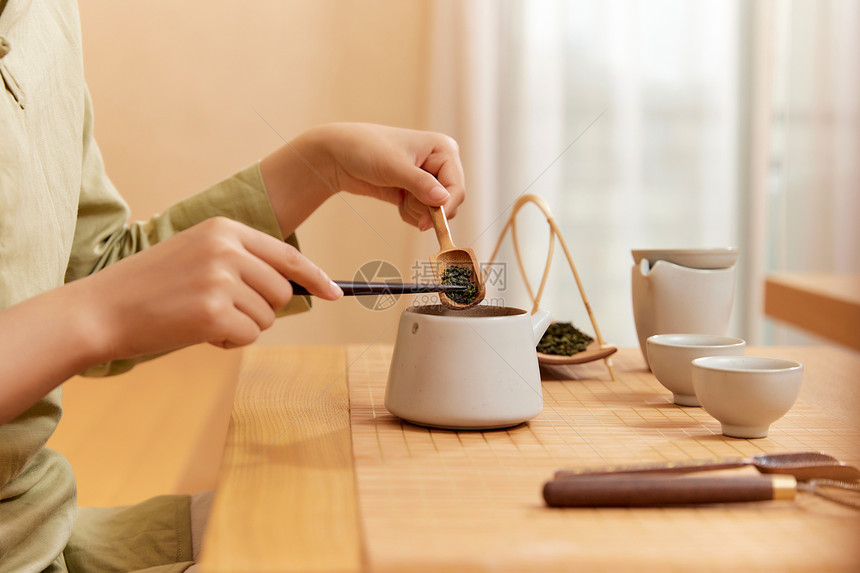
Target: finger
x,y
249,302
416,213
425,221
452,177
400,173
393,195
290,263
238,329
448,169
266,282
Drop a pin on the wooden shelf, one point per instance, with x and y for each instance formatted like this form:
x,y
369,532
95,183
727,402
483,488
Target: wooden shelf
x,y
827,305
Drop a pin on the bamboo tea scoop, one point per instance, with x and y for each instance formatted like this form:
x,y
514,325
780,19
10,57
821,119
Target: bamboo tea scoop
x,y
452,256
802,465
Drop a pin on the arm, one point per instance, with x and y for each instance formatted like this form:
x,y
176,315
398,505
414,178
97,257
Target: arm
x,y
219,281
103,235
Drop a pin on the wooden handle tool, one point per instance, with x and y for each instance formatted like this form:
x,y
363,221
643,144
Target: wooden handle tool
x,y
804,466
649,491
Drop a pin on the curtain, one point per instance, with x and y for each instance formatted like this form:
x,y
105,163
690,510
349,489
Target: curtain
x,y
812,187
655,124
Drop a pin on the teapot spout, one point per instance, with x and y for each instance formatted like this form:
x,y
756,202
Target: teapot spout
x,y
540,322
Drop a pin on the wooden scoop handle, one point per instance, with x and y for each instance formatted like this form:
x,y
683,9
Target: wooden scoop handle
x,y
645,491
440,225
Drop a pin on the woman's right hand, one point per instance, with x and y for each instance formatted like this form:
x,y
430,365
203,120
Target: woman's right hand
x,y
218,282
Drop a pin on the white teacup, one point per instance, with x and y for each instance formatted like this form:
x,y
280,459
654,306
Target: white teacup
x,y
669,297
746,393
670,356
473,369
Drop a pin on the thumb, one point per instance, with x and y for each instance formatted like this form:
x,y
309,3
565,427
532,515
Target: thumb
x,y
422,185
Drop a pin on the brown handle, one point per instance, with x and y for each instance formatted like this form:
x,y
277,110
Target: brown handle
x,y
644,491
683,466
440,224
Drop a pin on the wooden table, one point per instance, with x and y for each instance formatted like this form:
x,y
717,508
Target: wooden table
x,y
827,305
318,476
158,429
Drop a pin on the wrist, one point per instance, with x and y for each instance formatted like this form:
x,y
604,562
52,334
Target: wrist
x,y
44,341
298,179
313,148
96,338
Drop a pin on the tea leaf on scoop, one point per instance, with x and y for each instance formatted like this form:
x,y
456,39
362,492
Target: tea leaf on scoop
x,y
460,276
562,338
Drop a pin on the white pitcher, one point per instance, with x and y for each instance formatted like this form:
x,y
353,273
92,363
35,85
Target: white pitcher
x,y
471,369
672,299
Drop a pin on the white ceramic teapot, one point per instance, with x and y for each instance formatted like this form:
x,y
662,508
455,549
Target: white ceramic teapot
x,y
473,369
693,297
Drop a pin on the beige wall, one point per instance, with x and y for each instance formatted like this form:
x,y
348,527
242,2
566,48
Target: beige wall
x,y
188,92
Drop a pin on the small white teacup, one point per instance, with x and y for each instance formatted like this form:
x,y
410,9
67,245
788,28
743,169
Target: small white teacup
x,y
670,356
746,394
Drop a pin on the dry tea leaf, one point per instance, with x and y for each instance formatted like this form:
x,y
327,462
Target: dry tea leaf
x,y
460,276
564,339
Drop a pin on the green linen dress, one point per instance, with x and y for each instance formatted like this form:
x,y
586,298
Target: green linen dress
x,y
61,219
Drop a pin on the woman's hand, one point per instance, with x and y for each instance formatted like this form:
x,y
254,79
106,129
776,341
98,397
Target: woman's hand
x,y
411,169
218,282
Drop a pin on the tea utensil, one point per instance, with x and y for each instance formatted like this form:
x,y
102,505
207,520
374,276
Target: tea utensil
x,y
712,258
594,351
802,466
472,369
449,255
600,349
650,490
357,288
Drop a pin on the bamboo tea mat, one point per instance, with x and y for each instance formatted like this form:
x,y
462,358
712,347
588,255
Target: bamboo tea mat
x,y
438,500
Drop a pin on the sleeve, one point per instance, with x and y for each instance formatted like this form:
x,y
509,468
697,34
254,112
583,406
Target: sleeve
x,y
103,234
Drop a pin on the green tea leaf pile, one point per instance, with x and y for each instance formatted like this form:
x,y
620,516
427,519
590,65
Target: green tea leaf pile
x,y
562,338
461,276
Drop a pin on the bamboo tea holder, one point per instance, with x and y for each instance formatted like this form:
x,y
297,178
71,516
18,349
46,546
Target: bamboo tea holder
x,y
598,349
